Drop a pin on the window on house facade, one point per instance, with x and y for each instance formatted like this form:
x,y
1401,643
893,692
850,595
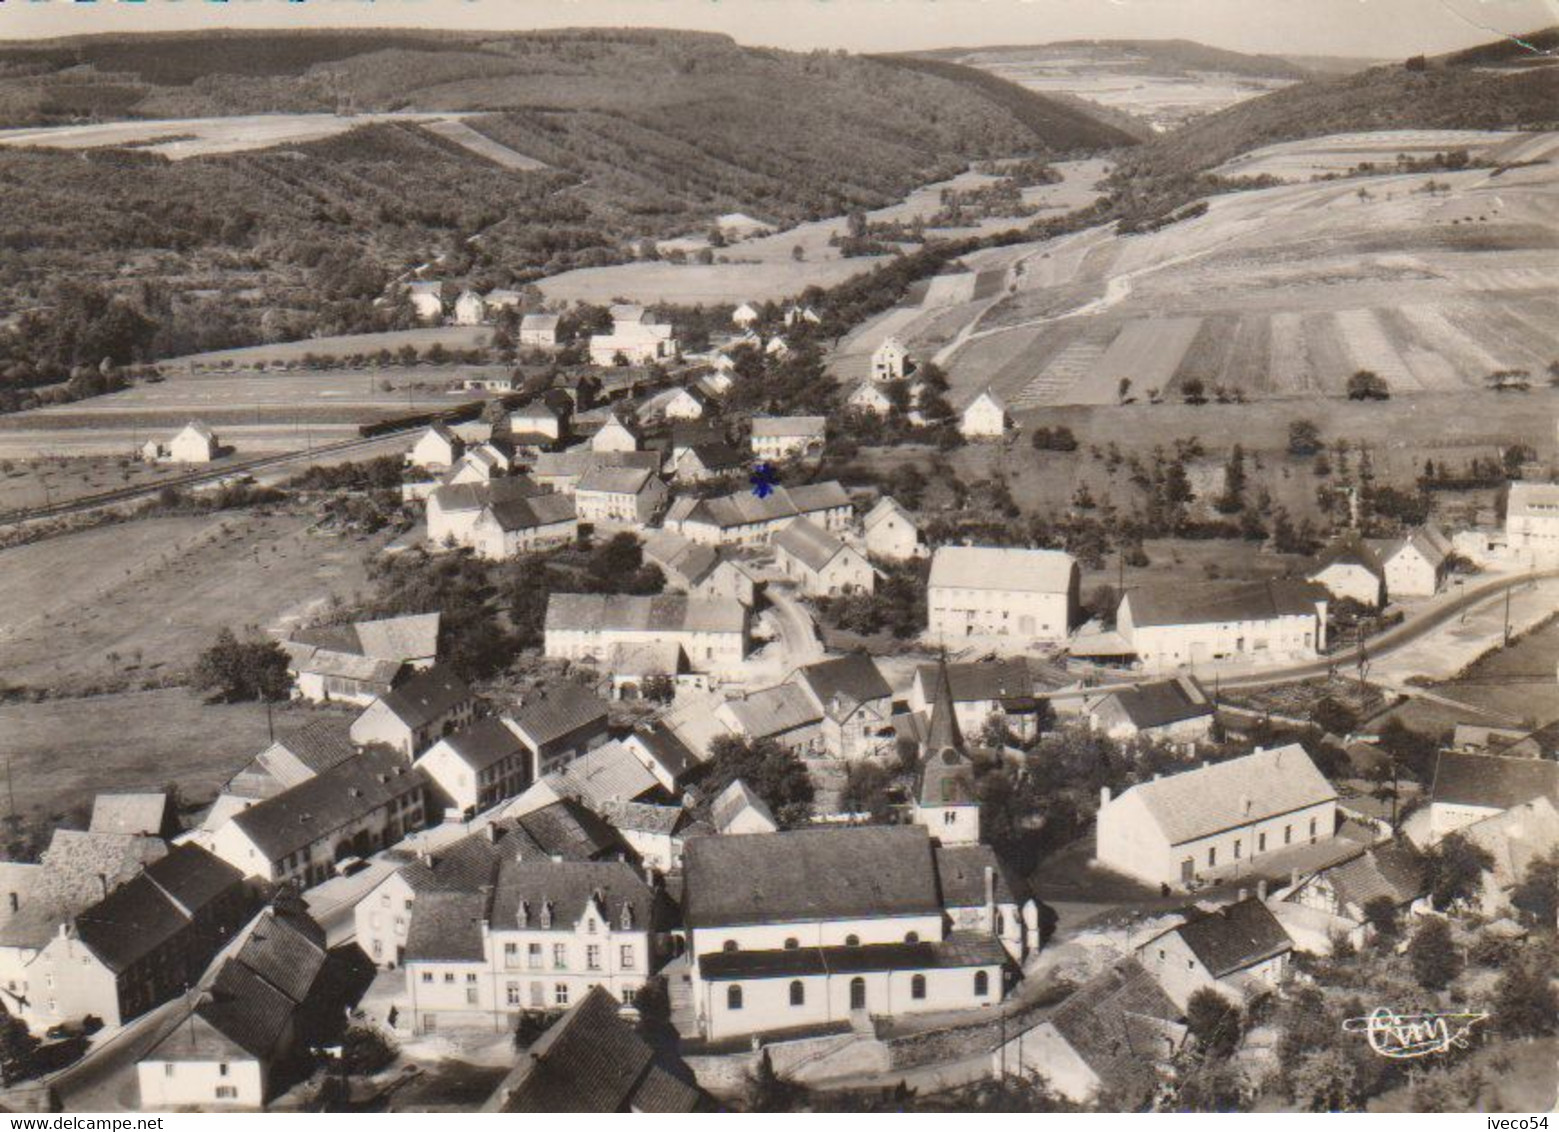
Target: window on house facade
x,y
1312,831
852,941
427,976
1212,857
628,995
560,994
227,1093
167,1069
593,957
223,1069
917,986
449,976
625,957
982,984
792,943
512,994
533,956
560,956
471,996
911,937
471,978
798,993
1288,834
728,945
733,997
1238,848
1261,842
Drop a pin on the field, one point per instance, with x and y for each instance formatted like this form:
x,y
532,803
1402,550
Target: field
x,y
181,138
1512,686
1302,160
62,752
256,413
1280,292
134,603
765,267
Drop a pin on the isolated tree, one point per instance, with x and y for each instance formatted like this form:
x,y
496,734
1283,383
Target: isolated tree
x,y
1367,385
242,670
866,788
365,1050
1194,391
1433,954
1123,390
1525,1002
1304,438
1214,1022
775,773
1456,867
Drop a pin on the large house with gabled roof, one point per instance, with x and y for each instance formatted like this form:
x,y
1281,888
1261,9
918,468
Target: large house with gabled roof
x,y
1219,820
1271,621
987,591
747,518
821,563
1240,951
433,703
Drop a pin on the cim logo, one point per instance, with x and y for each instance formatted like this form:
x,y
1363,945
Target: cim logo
x,y
1414,1035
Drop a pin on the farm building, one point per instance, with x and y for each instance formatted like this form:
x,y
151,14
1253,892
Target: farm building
x,y
452,510
870,397
1335,897
539,330
1416,564
559,724
744,315
476,768
695,568
1470,788
783,714
712,632
293,758
890,532
610,772
433,703
855,702
1240,952
1349,568
780,438
548,415
614,436
621,496
985,591
746,519
1111,1037
1271,621
1171,711
697,463
633,342
683,405
562,471
194,444
820,562
890,362
470,309
1217,821
982,689
985,418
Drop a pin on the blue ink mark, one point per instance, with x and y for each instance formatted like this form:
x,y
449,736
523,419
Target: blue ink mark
x,y
763,479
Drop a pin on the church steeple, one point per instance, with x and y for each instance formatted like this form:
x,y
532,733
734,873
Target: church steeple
x,y
942,733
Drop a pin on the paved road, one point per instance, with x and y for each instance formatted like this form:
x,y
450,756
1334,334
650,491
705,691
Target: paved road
x,y
1392,639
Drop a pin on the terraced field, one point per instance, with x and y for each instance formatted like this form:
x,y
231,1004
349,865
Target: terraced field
x,y
1279,292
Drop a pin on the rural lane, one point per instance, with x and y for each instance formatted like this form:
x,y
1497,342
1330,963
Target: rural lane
x,y
1389,641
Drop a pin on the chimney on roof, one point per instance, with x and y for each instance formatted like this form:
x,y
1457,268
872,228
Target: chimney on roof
x,y
990,897
1104,796
1244,894
1261,890
1293,878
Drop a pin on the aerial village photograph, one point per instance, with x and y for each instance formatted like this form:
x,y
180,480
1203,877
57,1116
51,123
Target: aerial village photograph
x,y
779,556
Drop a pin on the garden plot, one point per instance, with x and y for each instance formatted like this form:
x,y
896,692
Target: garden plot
x,y
1369,348
1057,382
1337,153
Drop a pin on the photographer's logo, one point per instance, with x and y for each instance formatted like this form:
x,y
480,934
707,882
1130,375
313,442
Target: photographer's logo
x,y
1414,1035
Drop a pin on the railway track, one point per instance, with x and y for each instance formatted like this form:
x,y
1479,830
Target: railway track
x,y
192,479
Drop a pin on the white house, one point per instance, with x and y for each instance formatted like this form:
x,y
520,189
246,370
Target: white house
x,y
636,343
744,315
193,444
629,497
1175,711
539,330
1350,568
984,591
470,309
510,527
738,811
1532,522
820,926
1218,821
712,632
870,397
821,563
427,299
433,703
890,532
453,509
984,418
614,436
357,663
1110,1038
684,405
1416,565
890,361
546,416
477,767
780,438
558,724
1240,951
855,704
436,449
549,932
1269,621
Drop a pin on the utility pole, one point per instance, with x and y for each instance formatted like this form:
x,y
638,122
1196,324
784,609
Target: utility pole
x,y
1507,616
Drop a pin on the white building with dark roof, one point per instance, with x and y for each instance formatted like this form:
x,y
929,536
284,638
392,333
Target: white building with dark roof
x,y
539,330
1177,711
433,703
890,532
817,927
558,724
1270,622
1240,951
1469,788
748,519
436,449
781,438
1350,568
453,509
1218,821
1030,596
511,527
1532,522
618,496
1417,564
477,767
822,564
855,704
711,632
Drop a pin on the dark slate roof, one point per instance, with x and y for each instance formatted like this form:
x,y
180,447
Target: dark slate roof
x,y
447,928
1118,1023
246,1009
192,876
1350,550
1009,682
1493,781
942,733
675,756
537,511
641,817
718,455
325,803
475,496
321,744
287,951
1224,602
130,922
809,544
426,696
810,874
846,680
558,711
962,950
1164,702
485,743
1392,871
591,1060
960,871
568,829
1233,938
525,888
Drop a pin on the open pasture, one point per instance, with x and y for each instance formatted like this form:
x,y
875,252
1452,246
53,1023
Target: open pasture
x,y
1338,153
341,346
136,602
180,138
